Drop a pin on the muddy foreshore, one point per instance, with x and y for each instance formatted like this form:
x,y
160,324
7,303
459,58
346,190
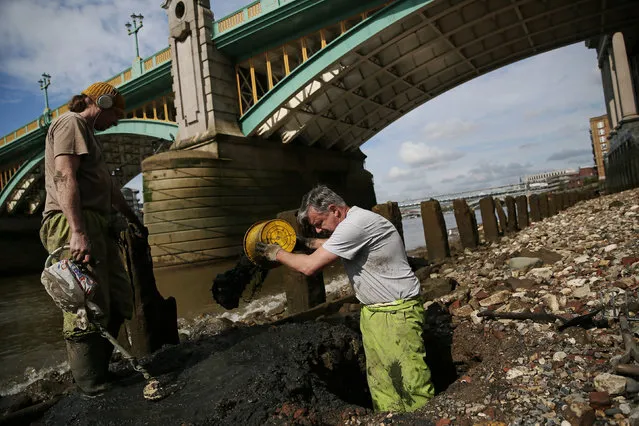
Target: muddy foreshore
x,y
266,370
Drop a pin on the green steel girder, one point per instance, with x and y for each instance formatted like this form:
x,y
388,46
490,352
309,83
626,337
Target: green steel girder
x,y
166,130
308,70
22,147
288,22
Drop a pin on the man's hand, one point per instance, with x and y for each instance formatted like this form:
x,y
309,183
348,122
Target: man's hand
x,y
267,251
80,247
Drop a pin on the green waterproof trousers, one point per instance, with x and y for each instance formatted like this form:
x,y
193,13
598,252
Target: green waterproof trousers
x,y
114,294
398,377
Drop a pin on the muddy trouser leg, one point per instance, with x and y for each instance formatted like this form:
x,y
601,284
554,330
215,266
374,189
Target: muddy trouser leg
x,y
86,349
398,377
121,292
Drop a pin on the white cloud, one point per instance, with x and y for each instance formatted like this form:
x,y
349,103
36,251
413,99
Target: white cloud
x,y
78,42
421,154
397,174
450,129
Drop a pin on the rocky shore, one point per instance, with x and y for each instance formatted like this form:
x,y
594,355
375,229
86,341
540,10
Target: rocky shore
x,y
269,369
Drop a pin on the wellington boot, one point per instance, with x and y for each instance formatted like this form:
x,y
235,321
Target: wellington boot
x,y
89,364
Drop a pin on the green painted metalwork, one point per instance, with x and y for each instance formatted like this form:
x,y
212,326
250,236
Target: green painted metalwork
x,y
166,130
15,180
288,21
305,72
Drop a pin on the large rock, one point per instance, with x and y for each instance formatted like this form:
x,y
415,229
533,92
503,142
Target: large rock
x,y
524,263
547,256
611,383
433,288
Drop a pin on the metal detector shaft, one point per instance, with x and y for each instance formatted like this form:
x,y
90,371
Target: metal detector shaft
x,y
134,362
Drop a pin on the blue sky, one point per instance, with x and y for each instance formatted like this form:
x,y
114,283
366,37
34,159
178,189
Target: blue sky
x,y
529,117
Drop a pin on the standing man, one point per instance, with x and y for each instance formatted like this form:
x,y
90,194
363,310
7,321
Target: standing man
x,y
80,198
392,317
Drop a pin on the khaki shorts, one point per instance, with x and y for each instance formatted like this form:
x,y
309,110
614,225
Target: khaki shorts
x,y
114,294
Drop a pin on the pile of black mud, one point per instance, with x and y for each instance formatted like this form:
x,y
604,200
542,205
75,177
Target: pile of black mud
x,y
229,286
310,371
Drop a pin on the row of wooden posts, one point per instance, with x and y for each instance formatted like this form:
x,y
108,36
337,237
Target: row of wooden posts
x,y
303,293
520,212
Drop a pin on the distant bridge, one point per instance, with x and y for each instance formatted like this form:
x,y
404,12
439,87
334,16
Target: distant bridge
x,y
473,197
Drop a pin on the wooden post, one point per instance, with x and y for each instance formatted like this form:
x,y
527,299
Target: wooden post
x,y
489,222
543,205
522,211
434,230
535,215
302,292
466,224
390,210
512,214
501,216
552,204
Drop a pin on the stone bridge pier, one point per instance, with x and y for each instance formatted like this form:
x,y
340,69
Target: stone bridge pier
x,y
202,195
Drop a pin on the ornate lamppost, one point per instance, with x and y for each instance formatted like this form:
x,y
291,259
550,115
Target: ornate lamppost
x,y
133,29
45,119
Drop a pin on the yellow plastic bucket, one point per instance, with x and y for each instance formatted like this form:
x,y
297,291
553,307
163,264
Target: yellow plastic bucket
x,y
276,231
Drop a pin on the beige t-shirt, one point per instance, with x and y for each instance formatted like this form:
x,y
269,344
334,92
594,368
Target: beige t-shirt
x,y
71,134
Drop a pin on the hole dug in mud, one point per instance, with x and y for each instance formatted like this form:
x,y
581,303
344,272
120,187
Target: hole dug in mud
x,y
343,372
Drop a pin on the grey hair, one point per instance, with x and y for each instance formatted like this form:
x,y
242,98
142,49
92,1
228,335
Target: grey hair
x,y
319,198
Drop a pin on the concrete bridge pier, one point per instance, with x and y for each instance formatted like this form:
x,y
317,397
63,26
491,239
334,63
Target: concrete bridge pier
x,y
199,202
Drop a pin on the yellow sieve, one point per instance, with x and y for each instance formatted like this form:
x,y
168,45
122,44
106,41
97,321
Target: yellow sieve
x,y
276,231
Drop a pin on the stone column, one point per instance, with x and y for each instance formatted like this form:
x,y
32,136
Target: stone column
x,y
302,292
627,101
535,215
615,90
204,80
390,210
522,211
466,224
434,230
489,222
512,214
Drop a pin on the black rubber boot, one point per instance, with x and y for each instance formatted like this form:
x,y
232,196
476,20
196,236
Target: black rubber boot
x,y
89,363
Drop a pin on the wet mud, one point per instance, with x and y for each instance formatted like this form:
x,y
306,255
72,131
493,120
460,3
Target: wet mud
x,y
248,376
244,280
303,373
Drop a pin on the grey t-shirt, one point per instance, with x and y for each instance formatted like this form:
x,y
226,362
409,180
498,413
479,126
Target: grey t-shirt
x,y
374,257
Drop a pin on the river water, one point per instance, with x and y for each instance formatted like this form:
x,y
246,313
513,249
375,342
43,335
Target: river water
x,y
31,324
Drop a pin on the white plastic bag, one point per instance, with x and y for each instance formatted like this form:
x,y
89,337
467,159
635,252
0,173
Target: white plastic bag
x,y
71,287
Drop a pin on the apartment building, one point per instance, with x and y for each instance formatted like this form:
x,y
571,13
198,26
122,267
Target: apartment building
x,y
599,131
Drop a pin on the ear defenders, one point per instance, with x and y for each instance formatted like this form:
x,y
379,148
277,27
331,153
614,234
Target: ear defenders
x,y
105,101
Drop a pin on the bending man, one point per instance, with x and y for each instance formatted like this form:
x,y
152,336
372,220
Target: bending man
x,y
392,317
80,198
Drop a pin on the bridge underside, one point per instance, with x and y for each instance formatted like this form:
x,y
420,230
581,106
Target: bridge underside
x,y
440,45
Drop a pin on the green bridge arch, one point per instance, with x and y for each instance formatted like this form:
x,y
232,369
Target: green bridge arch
x,y
155,129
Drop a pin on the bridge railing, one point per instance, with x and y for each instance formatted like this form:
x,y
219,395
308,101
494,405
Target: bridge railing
x,y
246,14
125,76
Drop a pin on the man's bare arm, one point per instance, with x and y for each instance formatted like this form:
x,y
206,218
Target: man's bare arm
x,y
306,264
68,194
